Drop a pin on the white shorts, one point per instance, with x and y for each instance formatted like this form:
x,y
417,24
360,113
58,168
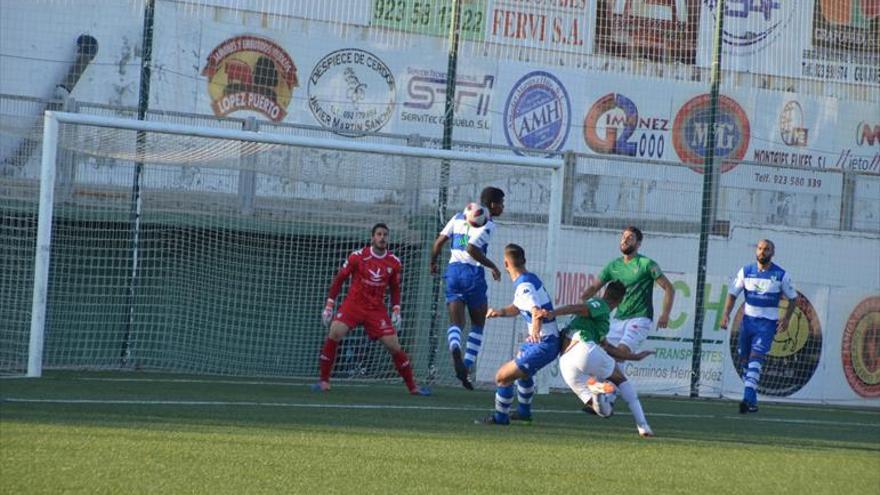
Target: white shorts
x,y
631,332
586,359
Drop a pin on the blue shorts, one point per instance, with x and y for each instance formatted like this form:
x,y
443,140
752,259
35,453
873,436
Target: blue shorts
x,y
756,336
466,283
533,357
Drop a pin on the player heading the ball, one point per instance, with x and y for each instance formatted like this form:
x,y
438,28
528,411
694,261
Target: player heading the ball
x,y
469,232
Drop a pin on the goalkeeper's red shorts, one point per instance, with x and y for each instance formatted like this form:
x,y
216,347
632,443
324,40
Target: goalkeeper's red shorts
x,y
376,322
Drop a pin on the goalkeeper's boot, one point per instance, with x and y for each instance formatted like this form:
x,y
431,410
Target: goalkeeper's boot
x,y
524,420
645,431
461,370
422,391
490,420
321,386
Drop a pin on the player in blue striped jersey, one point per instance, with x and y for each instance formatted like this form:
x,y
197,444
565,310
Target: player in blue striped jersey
x,y
539,350
764,284
466,280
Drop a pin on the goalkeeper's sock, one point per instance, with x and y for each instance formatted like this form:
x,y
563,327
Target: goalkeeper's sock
x,y
525,391
404,368
453,338
474,344
628,392
327,358
503,400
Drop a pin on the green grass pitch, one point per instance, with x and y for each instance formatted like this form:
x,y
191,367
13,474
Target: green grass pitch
x,y
150,433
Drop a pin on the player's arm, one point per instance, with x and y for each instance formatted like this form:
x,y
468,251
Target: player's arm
x,y
535,329
336,285
736,287
569,309
623,354
593,288
504,312
668,298
792,296
394,285
436,249
477,254
475,249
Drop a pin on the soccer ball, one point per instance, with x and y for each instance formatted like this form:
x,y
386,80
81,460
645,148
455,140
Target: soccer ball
x,y
476,214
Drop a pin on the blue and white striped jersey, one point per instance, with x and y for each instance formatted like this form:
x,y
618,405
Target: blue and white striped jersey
x,y
529,292
461,233
763,289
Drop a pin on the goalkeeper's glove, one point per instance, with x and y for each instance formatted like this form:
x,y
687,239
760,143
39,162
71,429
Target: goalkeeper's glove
x,y
395,316
327,314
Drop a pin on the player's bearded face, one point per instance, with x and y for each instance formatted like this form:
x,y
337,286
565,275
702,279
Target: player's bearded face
x,y
380,239
628,243
764,253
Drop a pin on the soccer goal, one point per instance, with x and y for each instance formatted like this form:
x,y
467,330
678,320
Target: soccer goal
x,y
206,250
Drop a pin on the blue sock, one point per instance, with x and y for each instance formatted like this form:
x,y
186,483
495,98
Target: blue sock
x,y
525,390
474,344
503,400
453,337
751,376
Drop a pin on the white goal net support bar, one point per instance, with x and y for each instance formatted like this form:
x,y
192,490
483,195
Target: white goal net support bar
x,y
208,250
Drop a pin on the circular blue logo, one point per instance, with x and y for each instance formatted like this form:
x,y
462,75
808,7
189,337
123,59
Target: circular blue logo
x,y
537,114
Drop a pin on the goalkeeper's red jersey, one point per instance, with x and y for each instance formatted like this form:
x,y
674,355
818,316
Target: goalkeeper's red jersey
x,y
370,276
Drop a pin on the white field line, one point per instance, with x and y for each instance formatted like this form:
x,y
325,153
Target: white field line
x,y
211,403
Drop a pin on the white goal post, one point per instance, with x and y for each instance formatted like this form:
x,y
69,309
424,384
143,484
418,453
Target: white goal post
x,y
346,160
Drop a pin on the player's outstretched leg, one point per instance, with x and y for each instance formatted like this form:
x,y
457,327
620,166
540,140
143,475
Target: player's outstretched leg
x,y
628,392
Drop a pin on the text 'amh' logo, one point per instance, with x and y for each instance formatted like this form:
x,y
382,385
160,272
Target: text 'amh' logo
x,y
538,113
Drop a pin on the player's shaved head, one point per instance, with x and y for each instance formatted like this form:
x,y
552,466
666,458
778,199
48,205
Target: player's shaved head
x,y
515,254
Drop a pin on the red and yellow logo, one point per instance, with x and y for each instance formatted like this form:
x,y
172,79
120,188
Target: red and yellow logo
x,y
861,348
250,73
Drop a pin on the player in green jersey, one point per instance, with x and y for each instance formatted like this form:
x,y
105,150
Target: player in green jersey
x,y
632,321
588,359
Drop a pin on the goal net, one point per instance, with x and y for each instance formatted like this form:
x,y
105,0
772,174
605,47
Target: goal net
x,y
204,250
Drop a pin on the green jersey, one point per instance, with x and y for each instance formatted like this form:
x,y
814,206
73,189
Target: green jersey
x,y
593,328
638,276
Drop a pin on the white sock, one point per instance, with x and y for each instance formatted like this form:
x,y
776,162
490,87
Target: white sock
x,y
628,392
